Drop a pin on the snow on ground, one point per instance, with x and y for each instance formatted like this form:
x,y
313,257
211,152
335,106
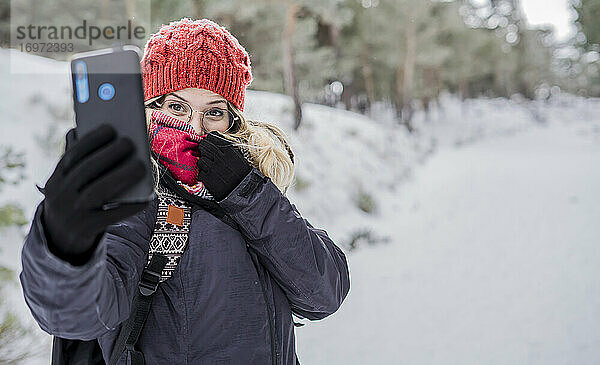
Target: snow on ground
x,y
488,212
495,260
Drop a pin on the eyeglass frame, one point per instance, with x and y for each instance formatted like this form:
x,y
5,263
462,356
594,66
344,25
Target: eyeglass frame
x,y
233,117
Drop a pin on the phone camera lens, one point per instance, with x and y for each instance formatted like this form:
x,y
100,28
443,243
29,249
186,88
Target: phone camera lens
x,y
106,91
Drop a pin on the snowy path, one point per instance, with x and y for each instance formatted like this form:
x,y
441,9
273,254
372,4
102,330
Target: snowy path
x,y
496,261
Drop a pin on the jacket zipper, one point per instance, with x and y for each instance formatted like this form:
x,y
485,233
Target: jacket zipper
x,y
170,181
271,330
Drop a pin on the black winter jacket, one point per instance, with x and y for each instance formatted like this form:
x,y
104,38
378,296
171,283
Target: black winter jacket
x,y
230,300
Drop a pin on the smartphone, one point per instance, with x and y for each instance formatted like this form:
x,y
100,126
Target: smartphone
x,y
108,88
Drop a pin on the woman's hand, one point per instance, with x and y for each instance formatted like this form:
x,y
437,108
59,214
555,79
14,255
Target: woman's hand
x,y
221,165
92,170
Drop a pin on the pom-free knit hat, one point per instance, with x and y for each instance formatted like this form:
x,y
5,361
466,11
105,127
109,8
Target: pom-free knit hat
x,y
196,53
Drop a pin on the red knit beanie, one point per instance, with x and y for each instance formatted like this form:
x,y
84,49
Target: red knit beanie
x,y
196,53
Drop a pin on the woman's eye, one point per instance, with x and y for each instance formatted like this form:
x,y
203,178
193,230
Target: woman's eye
x,y
216,113
176,107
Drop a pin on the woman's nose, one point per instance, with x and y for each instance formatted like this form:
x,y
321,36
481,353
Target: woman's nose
x,y
196,122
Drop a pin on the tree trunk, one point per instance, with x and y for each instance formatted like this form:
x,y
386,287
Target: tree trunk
x,y
131,8
289,74
463,88
197,8
334,37
409,70
367,72
347,95
399,92
105,8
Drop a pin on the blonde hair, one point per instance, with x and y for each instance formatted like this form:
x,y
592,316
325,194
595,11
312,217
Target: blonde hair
x,y
266,144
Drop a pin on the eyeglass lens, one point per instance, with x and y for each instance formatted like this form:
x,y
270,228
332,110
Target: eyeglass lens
x,y
212,119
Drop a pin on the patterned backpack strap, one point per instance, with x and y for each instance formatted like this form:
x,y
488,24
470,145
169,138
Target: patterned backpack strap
x,y
167,244
170,236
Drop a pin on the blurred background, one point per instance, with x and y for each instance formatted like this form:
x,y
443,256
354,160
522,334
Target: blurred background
x,y
450,148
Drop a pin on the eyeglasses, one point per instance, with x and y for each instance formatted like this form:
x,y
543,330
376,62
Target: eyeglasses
x,y
213,119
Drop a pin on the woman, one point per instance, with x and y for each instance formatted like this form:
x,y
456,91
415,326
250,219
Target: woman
x,y
241,257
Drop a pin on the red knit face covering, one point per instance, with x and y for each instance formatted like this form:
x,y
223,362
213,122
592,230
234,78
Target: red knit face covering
x,y
176,144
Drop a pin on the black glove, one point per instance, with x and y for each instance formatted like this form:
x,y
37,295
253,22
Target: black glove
x,y
92,170
221,165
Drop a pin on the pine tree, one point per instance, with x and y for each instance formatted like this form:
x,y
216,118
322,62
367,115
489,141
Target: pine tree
x,y
13,334
281,37
585,71
588,13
